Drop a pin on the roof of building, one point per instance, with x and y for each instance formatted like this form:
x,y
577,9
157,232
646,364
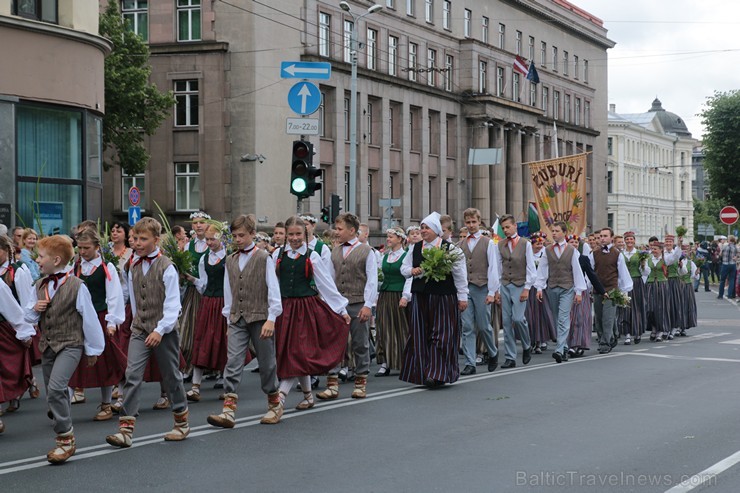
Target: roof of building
x,y
670,123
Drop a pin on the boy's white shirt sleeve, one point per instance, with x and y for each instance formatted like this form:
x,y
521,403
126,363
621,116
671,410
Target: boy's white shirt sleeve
x,y
172,305
274,300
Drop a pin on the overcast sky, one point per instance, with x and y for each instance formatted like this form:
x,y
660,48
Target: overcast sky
x,y
679,50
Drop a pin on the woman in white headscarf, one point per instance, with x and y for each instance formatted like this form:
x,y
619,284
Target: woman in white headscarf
x,y
430,355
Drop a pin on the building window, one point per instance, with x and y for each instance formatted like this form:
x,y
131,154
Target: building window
x,y
186,103
429,11
392,55
346,119
188,20
683,191
482,77
187,187
446,13
518,42
587,114
372,47
556,105
348,27
412,198
391,127
531,48
413,50
370,201
545,99
566,62
324,34
468,15
322,114
609,148
610,220
567,108
369,122
38,10
136,17
346,185
449,68
576,67
138,181
585,71
391,4
532,94
554,58
431,67
502,36
543,54
515,86
609,182
500,81
411,7
577,112
484,30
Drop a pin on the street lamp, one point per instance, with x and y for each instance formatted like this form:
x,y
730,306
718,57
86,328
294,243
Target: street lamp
x,y
353,45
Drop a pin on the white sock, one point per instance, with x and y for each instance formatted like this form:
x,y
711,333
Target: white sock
x,y
287,384
197,375
105,394
305,384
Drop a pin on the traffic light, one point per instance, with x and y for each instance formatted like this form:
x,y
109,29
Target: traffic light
x,y
326,214
336,207
302,172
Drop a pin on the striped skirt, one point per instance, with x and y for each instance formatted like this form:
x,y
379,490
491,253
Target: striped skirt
x,y
633,321
581,323
190,305
15,365
108,370
675,302
209,341
434,338
658,307
392,329
689,318
539,318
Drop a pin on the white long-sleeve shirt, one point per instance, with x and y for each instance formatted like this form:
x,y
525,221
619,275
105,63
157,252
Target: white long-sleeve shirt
x,y
494,276
624,280
531,276
13,313
325,250
113,291
172,306
459,268
212,258
324,281
23,282
94,340
274,302
543,270
370,292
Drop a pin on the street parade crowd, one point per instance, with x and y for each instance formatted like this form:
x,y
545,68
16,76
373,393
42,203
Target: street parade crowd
x,y
112,308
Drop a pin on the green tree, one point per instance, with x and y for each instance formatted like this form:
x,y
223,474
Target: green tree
x,y
721,142
707,212
133,106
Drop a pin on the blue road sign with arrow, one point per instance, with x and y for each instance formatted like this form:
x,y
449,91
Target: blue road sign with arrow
x,y
305,70
134,214
304,98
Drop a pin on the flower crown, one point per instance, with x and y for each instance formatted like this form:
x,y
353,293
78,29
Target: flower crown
x,y
199,215
309,219
412,228
396,232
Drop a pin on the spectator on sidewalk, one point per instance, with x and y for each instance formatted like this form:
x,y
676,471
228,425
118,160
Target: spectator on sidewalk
x,y
729,259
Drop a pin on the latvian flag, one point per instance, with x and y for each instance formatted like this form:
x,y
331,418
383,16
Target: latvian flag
x,y
520,65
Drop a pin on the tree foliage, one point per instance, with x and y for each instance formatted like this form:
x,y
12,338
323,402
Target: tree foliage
x,y
134,107
707,212
721,142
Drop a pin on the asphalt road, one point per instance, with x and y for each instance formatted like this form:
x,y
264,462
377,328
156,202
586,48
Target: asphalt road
x,y
643,418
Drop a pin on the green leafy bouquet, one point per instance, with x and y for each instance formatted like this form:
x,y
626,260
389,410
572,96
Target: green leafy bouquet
x,y
643,256
619,298
381,276
438,262
168,243
106,246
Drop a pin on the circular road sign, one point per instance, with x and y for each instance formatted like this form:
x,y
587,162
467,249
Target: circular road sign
x,y
728,215
134,196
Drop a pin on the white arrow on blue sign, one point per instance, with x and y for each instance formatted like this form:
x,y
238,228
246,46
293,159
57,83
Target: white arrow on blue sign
x,y
134,214
304,98
305,70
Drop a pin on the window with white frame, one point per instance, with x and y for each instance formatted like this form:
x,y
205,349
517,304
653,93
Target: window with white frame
x,y
413,52
138,181
554,58
449,68
532,94
372,48
585,71
322,114
431,67
567,108
136,17
324,34
187,187
515,87
576,67
482,77
391,4
370,198
484,29
467,17
186,103
531,48
346,119
587,114
500,74
577,112
543,54
518,42
545,99
369,123
392,55
411,7
566,62
188,20
556,105
502,36
429,11
348,27
391,127
446,14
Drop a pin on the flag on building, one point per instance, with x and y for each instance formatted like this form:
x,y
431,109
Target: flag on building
x,y
520,65
497,232
532,74
533,218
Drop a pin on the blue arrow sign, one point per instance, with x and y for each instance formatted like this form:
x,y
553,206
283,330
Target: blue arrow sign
x,y
305,70
134,214
304,98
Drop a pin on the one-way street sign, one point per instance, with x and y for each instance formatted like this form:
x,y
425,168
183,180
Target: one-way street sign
x,y
304,98
305,70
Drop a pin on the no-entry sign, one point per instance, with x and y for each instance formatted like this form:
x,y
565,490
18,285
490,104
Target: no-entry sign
x,y
728,215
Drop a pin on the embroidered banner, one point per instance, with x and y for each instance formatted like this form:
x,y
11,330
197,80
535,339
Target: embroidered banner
x,y
560,192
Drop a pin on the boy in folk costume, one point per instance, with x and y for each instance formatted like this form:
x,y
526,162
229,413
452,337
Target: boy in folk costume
x,y
354,268
153,284
481,259
251,304
560,272
62,308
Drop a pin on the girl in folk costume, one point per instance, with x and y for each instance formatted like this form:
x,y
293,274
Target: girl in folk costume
x,y
197,247
581,320
310,334
15,359
675,286
104,284
658,318
632,321
688,272
209,343
539,315
395,293
430,355
413,235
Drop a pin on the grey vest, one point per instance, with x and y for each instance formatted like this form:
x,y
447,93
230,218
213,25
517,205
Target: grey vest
x,y
149,294
477,261
61,323
514,264
349,273
248,287
560,269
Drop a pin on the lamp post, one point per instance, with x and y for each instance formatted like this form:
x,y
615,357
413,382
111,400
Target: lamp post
x,y
353,45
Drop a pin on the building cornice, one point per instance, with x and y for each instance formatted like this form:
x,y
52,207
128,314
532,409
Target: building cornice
x,y
44,28
188,48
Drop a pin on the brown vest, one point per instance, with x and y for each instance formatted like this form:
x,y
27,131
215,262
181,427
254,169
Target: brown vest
x,y
477,261
560,270
248,287
149,294
61,323
349,273
606,267
514,264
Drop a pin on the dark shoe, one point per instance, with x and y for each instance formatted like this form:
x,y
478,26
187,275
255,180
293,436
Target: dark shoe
x,y
696,290
565,357
557,357
637,340
432,384
719,297
707,290
537,350
509,363
683,333
579,352
614,342
653,337
219,384
527,356
315,381
382,371
256,370
492,363
468,370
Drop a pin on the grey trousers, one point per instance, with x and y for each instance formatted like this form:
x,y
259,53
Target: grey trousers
x,y
58,369
168,359
605,318
561,301
360,335
514,319
239,335
477,318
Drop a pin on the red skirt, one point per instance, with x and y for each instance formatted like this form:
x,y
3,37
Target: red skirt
x,y
310,339
209,342
34,350
109,369
15,365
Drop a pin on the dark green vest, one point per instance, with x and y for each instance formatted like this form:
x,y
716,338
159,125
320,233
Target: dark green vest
x,y
673,270
95,283
656,272
633,264
292,274
393,280
196,257
215,273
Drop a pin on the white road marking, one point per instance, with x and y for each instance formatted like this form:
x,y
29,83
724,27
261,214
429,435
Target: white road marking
x,y
707,474
686,358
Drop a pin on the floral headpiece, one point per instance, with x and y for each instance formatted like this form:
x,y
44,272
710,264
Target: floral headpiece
x,y
199,215
572,237
537,236
412,228
222,228
309,219
398,232
629,234
485,232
